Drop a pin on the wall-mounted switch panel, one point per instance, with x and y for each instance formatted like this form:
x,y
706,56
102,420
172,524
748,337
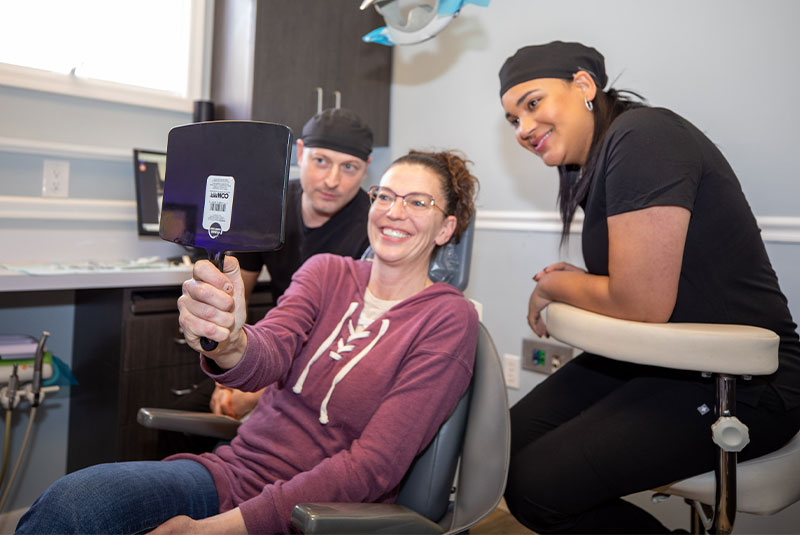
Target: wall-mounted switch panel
x,y
544,357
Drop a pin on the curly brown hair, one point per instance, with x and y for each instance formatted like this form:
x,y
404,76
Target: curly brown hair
x,y
459,185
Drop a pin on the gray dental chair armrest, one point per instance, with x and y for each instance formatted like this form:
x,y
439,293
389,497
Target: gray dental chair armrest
x,y
319,518
196,423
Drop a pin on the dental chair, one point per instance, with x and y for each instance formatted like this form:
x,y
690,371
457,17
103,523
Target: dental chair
x,y
454,483
761,486
473,442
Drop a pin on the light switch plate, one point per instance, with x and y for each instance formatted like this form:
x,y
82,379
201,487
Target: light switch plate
x,y
55,178
512,367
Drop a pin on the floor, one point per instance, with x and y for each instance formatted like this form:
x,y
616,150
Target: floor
x,y
500,522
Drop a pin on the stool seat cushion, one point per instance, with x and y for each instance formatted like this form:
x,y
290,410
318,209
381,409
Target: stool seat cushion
x,y
765,485
703,347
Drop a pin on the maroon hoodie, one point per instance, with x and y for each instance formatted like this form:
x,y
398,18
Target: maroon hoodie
x,y
347,412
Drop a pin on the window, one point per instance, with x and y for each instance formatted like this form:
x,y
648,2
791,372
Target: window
x,y
145,52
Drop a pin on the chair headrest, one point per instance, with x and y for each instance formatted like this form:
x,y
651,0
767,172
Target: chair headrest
x,y
451,262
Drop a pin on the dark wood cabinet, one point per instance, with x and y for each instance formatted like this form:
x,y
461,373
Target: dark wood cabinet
x,y
274,59
128,353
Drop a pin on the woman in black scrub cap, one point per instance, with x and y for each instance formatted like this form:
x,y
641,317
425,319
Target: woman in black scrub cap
x,y
667,237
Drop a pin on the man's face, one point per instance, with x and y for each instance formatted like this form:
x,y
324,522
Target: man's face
x,y
329,179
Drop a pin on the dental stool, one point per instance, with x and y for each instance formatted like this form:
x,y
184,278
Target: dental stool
x,y
761,486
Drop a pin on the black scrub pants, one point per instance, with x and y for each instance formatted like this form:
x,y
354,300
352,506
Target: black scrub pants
x,y
598,429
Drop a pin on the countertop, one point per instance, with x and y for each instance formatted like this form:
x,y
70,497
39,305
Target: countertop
x,y
75,276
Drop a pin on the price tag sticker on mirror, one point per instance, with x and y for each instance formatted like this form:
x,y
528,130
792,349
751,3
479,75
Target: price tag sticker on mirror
x,y
218,205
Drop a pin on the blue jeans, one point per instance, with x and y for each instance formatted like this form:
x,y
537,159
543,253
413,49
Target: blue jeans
x,y
128,497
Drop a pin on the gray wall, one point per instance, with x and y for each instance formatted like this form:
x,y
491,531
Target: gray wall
x,y
729,66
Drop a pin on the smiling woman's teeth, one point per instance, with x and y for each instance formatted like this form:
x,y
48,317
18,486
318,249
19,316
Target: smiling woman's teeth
x,y
547,135
392,233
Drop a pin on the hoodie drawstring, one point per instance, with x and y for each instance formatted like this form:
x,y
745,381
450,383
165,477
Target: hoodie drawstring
x,y
298,387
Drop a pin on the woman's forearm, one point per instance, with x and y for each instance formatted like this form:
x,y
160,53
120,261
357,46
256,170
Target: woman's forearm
x,y
606,296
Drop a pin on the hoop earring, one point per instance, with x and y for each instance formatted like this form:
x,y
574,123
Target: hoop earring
x,y
589,104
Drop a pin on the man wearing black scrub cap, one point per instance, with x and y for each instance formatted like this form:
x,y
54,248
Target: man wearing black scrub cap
x,y
326,210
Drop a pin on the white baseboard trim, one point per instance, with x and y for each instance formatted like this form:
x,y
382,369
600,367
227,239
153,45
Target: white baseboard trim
x,y
779,229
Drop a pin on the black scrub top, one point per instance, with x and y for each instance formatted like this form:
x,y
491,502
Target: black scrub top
x,y
654,157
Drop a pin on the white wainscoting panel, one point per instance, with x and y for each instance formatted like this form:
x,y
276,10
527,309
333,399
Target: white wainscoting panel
x,y
66,209
773,228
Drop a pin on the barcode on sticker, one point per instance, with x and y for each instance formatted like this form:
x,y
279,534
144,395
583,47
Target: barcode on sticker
x,y
218,208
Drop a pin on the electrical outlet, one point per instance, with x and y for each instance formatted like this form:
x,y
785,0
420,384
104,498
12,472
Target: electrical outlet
x,y
55,178
512,369
544,357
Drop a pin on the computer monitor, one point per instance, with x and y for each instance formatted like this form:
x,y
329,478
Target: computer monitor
x,y
149,168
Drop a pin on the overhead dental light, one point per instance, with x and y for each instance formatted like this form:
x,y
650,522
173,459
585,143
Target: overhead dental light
x,y
413,21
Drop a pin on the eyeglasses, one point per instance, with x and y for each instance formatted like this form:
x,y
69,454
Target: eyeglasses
x,y
415,203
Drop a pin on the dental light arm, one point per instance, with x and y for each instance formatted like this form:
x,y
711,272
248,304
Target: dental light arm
x,y
410,22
